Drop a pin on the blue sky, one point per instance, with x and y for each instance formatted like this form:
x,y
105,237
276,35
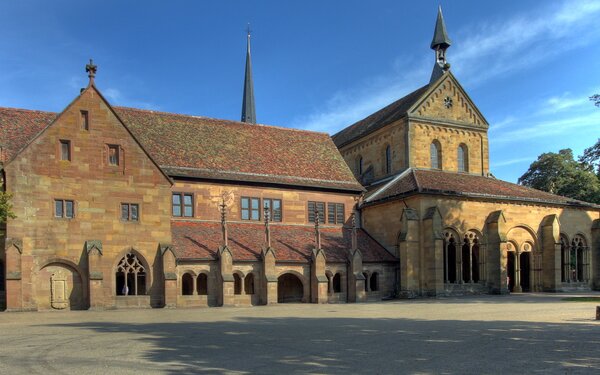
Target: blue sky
x,y
530,66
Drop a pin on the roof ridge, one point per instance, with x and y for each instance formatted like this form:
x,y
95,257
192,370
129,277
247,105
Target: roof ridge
x,y
389,183
28,110
232,122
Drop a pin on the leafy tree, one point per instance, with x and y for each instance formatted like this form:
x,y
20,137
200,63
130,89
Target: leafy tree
x,y
591,158
596,99
561,174
5,207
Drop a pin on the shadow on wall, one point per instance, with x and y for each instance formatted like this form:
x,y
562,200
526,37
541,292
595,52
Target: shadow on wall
x,y
342,345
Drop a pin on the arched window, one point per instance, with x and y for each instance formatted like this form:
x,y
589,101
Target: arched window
x,y
564,259
2,282
450,258
237,284
187,284
337,283
436,155
463,158
249,283
202,284
359,165
388,159
374,282
131,276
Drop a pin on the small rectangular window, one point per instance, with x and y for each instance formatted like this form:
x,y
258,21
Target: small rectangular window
x,y
64,208
319,206
85,120
113,155
183,204
129,212
335,213
250,208
65,150
274,206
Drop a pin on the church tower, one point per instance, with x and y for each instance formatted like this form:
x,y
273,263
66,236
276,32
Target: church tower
x,y
248,108
440,44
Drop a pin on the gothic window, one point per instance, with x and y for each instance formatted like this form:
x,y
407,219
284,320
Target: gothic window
x,y
183,204
249,283
335,213
475,260
337,283
131,276
564,258
202,284
435,155
65,150
130,212
578,260
466,261
85,120
113,155
274,206
187,284
320,206
450,258
388,160
64,209
237,284
463,158
250,208
374,282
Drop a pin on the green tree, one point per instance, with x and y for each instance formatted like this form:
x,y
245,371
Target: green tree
x,y
591,158
559,173
5,207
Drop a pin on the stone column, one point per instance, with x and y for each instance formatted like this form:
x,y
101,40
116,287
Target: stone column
x,y
496,252
595,250
170,274
518,288
97,293
226,297
318,280
408,249
14,292
551,254
433,250
269,290
356,280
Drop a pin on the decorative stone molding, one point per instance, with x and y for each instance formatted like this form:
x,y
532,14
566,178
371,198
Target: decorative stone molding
x,y
90,245
17,243
96,276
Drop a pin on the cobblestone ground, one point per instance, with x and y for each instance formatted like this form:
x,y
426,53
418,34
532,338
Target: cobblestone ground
x,y
525,333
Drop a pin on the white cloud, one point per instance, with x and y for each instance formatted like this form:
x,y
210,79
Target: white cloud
x,y
508,162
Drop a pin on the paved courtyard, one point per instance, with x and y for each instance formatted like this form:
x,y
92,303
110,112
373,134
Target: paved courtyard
x,y
524,333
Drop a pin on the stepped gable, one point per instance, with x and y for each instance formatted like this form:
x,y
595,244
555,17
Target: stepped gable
x,y
415,181
294,243
379,119
18,127
200,147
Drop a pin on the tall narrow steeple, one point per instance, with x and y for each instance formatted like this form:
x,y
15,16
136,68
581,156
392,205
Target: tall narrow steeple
x,y
248,109
440,44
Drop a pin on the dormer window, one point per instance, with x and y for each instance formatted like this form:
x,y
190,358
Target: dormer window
x,y
113,155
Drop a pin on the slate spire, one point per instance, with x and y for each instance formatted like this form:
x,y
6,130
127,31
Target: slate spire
x,y
440,44
248,109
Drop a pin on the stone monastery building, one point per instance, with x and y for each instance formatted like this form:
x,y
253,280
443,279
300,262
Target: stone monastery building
x,y
123,207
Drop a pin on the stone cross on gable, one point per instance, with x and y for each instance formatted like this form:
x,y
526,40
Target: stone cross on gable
x,y
267,227
91,69
223,208
317,229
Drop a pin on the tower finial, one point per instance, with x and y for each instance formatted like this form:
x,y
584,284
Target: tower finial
x,y
91,69
223,209
248,107
440,44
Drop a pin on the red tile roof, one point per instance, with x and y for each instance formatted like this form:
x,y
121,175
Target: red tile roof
x,y
201,240
192,146
18,127
414,181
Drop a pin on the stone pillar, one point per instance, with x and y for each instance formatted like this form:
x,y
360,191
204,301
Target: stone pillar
x,y
170,275
356,280
551,254
433,252
496,252
226,297
595,249
318,279
14,292
518,288
269,290
408,251
95,275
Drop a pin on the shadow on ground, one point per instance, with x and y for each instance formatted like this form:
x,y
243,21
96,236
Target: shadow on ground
x,y
346,345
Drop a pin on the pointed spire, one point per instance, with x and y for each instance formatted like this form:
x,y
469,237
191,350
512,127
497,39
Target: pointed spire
x,y
440,44
248,108
354,233
317,229
91,70
267,227
223,207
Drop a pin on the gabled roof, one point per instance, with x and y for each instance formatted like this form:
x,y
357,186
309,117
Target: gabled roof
x,y
200,147
201,240
424,181
379,119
